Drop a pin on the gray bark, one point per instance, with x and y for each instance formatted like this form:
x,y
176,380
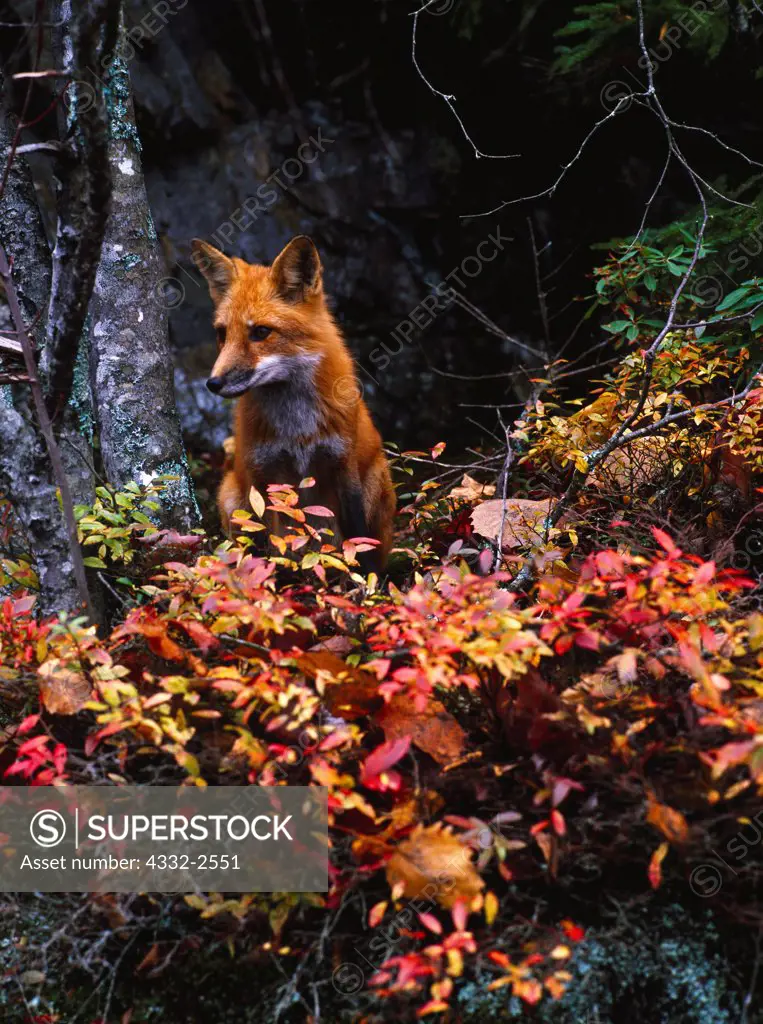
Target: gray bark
x,y
130,358
26,477
84,190
23,234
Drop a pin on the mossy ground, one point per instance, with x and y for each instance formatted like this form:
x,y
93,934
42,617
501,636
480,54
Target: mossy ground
x,y
658,964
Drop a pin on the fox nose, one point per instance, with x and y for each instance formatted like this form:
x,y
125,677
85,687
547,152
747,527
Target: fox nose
x,y
215,385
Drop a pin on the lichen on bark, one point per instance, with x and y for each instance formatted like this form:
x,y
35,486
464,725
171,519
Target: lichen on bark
x,y
130,359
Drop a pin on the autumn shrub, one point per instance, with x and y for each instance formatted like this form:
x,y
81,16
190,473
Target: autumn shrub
x,y
553,695
474,742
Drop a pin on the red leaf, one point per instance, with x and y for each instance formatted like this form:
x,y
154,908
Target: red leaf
x,y
573,931
558,824
430,921
665,542
28,724
655,865
381,759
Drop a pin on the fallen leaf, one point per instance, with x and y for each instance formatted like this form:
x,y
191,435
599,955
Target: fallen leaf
x,y
434,730
347,691
32,978
523,524
63,690
470,489
432,864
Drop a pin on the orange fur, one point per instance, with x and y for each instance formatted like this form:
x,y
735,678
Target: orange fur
x,y
347,457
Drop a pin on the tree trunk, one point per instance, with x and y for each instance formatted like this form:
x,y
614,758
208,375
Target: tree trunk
x,y
26,477
130,359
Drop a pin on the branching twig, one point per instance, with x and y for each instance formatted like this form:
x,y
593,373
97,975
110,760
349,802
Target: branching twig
x,y
625,434
448,97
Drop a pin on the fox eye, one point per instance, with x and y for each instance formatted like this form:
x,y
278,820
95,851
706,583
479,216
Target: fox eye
x,y
220,336
258,332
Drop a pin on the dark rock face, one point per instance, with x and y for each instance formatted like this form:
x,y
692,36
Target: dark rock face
x,y
258,185
246,181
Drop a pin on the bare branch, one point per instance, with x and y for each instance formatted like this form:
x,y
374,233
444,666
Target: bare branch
x,y
448,97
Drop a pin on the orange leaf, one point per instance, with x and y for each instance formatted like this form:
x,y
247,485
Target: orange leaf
x,y
523,521
376,913
434,730
670,822
655,869
63,690
433,864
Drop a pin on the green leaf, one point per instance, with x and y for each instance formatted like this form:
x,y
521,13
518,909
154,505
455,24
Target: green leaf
x,y
757,321
616,326
732,298
94,563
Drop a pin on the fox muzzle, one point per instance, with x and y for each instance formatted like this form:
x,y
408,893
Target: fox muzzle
x,y
229,385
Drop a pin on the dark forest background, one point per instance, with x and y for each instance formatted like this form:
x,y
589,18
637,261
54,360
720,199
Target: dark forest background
x,y
226,92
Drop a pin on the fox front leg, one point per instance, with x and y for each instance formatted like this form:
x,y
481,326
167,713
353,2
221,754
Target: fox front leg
x,y
353,522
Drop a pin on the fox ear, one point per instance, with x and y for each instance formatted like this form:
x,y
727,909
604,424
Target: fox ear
x,y
217,268
297,270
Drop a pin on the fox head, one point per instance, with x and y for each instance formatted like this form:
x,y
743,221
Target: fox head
x,y
272,322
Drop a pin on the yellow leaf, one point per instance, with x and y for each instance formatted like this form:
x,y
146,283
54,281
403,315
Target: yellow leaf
x,y
279,543
257,502
376,913
491,907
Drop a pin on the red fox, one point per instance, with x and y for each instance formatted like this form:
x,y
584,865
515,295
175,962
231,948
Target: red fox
x,y
300,412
